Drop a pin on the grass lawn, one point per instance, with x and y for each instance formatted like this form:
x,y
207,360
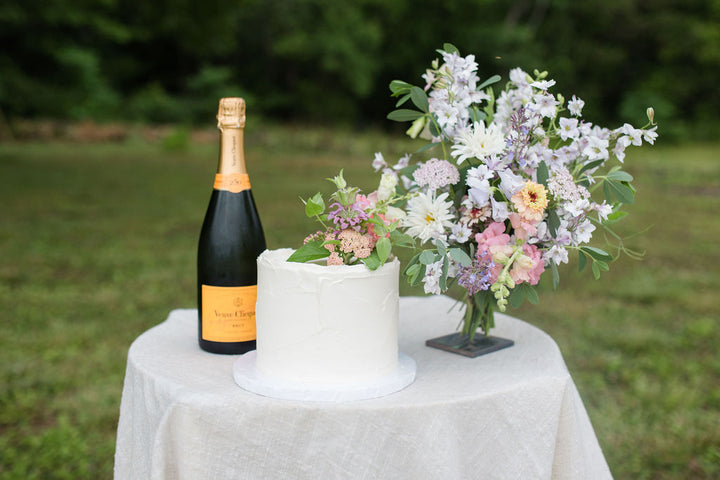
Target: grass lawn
x,y
98,244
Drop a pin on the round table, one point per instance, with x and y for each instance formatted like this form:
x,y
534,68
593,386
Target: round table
x,y
514,413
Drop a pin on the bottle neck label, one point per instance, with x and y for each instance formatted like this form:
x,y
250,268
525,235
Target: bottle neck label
x,y
232,182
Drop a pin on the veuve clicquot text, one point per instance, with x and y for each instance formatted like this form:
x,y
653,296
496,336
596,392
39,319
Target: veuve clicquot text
x,y
230,241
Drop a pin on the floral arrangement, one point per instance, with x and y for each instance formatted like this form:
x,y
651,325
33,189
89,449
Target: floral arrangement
x,y
514,182
355,228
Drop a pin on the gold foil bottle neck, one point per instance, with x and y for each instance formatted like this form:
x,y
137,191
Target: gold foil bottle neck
x,y
231,113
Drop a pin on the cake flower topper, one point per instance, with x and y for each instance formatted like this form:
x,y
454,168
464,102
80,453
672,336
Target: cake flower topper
x,y
355,228
507,187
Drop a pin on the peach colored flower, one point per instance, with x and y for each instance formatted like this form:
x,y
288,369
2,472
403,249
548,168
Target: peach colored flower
x,y
531,201
334,259
529,266
523,228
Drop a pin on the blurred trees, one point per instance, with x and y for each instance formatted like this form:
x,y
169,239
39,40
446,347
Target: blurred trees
x,y
331,60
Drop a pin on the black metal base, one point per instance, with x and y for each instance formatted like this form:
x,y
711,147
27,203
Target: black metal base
x,y
460,344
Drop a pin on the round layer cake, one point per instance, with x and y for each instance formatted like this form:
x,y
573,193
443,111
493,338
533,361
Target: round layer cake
x,y
326,324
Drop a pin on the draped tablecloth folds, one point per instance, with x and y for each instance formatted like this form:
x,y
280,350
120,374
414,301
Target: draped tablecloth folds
x,y
515,413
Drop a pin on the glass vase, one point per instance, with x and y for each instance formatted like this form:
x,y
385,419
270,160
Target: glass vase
x,y
474,338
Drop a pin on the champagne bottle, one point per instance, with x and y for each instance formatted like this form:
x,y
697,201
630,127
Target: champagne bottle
x,y
230,241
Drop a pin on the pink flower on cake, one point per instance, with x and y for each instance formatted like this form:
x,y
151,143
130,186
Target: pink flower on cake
x,y
531,201
356,243
364,202
334,259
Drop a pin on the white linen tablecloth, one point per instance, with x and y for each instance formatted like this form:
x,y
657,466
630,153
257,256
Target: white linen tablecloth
x,y
512,414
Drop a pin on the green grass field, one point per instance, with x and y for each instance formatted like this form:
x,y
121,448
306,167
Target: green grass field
x,y
97,244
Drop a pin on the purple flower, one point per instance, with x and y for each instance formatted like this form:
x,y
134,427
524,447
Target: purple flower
x,y
346,217
477,276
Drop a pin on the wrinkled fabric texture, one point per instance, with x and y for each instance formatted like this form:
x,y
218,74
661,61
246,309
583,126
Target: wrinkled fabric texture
x,y
512,414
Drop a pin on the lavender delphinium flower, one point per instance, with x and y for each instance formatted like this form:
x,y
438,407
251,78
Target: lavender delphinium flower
x,y
477,276
346,217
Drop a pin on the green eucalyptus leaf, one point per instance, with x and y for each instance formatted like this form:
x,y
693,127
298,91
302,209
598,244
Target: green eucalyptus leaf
x,y
620,176
621,191
615,217
441,247
459,255
450,48
427,257
404,115
310,251
425,148
412,270
553,222
542,173
517,296
589,166
597,254
398,87
419,98
555,275
444,274
418,276
489,81
402,100
582,261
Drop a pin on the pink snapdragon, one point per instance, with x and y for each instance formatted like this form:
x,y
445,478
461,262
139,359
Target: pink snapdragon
x,y
529,266
523,228
496,242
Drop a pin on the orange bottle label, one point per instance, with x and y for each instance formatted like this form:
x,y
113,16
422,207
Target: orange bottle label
x,y
228,313
232,182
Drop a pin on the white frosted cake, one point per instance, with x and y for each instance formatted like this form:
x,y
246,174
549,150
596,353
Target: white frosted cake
x,y
328,325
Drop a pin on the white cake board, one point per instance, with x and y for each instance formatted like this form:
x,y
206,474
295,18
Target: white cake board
x,y
250,379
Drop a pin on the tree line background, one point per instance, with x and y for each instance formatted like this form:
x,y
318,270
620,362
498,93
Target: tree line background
x,y
331,60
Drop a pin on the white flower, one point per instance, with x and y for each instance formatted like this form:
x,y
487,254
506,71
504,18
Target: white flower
x,y
650,135
510,184
596,149
379,162
569,128
428,217
478,181
583,232
546,105
479,142
603,210
388,182
556,254
575,105
619,150
519,77
543,84
431,280
460,233
403,162
635,134
394,213
500,211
